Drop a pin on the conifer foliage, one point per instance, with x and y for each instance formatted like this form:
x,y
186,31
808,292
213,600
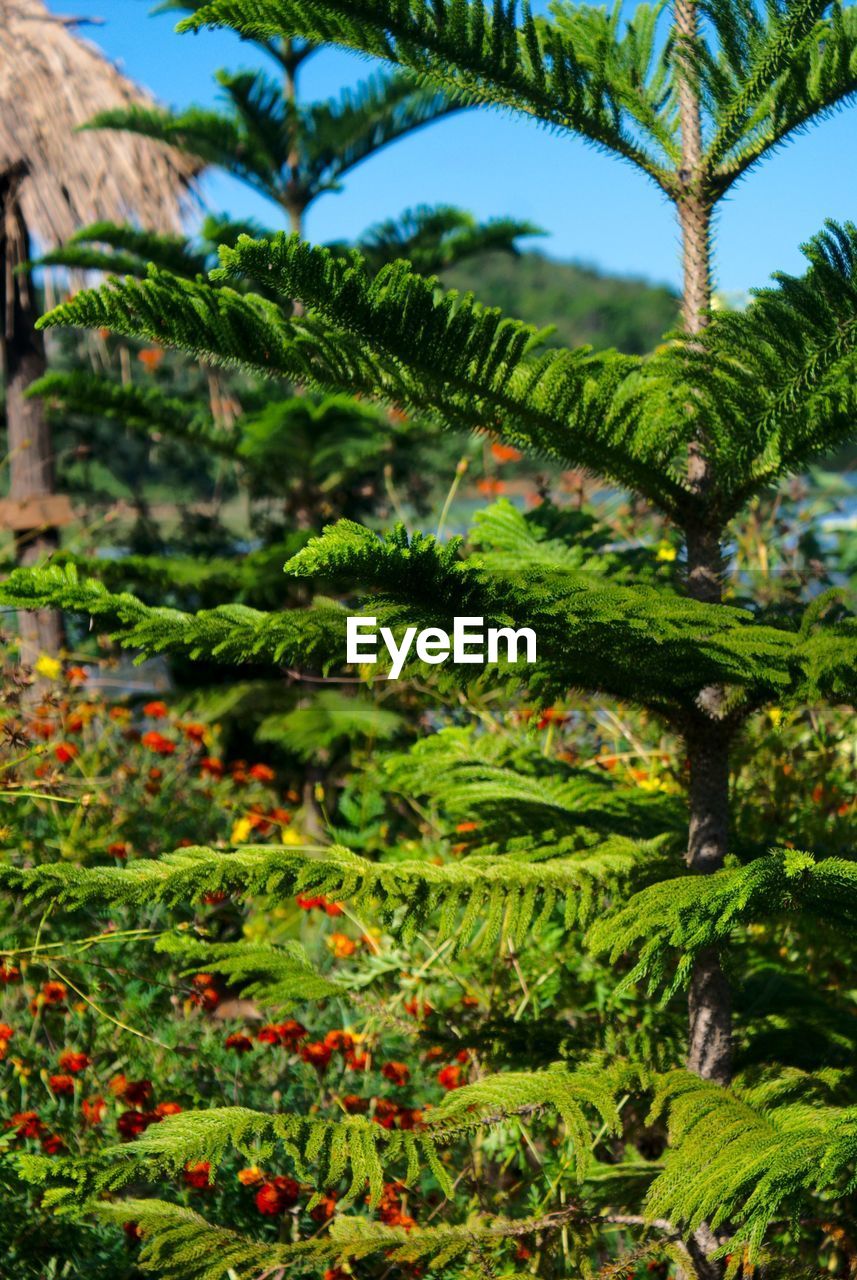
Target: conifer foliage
x,y
729,407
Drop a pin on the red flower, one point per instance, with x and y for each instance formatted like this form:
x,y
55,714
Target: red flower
x,y
269,1034
194,732
155,741
418,1008
409,1118
94,1109
331,908
156,710
9,973
262,773
239,1042
396,1072
74,1061
132,1123
52,1144
317,1054
450,1077
164,1109
357,1061
61,1084
150,358
118,849
54,992
386,1112
292,1031
77,675
26,1123
197,1175
340,1041
212,766
306,903
505,453
354,1105
325,1209
214,898
137,1092
132,1231
277,1195
65,752
6,1032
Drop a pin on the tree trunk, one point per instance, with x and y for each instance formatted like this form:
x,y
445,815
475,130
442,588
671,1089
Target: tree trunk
x,y
31,462
706,736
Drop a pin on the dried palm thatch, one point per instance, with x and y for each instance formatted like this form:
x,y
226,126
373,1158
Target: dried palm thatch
x,y
51,82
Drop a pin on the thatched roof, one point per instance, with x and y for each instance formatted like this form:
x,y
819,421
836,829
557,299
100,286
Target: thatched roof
x,y
51,81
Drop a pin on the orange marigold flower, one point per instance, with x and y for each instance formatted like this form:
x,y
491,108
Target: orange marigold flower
x,y
137,1092
26,1123
262,773
164,1109
132,1123
156,742
357,1061
194,732
120,714
307,903
505,453
269,1034
317,1054
409,1118
340,1041
291,1031
355,1105
156,710
9,973
74,1060
118,849
277,1195
251,1177
239,1042
94,1109
6,1032
450,1077
325,1209
42,728
386,1112
150,358
65,752
212,766
55,992
331,908
396,1072
490,486
341,945
197,1174
77,675
61,1084
418,1008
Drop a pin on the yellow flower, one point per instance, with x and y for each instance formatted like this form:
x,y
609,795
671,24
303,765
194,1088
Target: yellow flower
x,y
666,552
241,830
290,836
50,668
775,716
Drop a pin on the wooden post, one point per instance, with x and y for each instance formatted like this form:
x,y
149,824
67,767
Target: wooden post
x,y
28,436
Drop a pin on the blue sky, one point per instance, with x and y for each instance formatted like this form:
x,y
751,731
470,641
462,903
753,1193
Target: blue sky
x,y
594,208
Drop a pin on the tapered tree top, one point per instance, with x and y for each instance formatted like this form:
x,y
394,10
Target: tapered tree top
x,y
51,83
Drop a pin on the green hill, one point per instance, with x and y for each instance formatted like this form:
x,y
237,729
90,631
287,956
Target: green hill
x,y
584,304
